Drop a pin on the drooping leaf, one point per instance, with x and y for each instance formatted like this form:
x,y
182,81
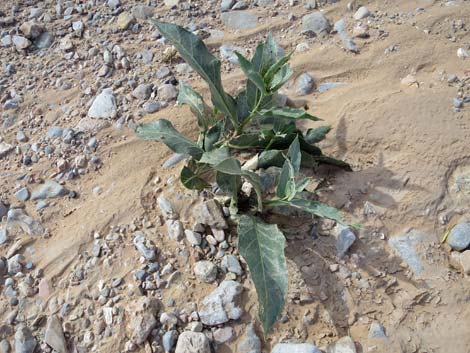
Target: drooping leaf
x,y
187,95
229,166
213,135
191,180
280,78
318,134
294,154
215,156
251,73
262,247
288,113
308,148
271,158
162,130
195,53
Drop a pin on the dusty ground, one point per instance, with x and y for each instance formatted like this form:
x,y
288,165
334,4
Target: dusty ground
x,y
405,144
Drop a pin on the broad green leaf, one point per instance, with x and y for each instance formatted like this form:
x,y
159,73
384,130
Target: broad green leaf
x,y
286,186
310,149
229,166
247,141
288,113
229,184
195,53
274,69
333,161
213,135
215,156
271,158
317,135
314,207
187,95
162,130
243,111
294,154
251,72
280,78
262,247
191,180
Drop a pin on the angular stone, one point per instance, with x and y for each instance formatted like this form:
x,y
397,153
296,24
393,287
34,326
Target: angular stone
x,y
167,92
167,208
142,91
226,5
24,340
377,331
295,348
104,106
49,190
175,229
220,305
3,236
18,218
210,214
316,23
143,12
345,239
343,345
239,20
193,238
252,343
231,264
31,29
142,319
125,20
169,340
140,242
305,84
193,342
22,194
223,335
5,148
406,246
171,3
54,336
21,42
361,13
206,271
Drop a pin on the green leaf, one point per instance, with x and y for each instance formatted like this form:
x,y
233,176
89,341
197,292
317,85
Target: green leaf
x,y
271,158
254,180
302,184
162,130
187,95
247,141
286,187
229,184
274,69
191,180
195,53
317,135
213,135
294,154
314,207
280,78
229,166
215,156
243,111
251,72
288,113
262,247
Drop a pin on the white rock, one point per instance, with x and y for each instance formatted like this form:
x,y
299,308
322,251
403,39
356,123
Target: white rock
x,y
206,271
295,348
192,342
104,106
462,53
361,13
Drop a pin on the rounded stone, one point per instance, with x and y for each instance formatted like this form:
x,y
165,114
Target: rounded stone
x,y
459,237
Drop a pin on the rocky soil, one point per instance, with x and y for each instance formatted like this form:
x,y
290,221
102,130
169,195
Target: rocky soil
x,y
102,250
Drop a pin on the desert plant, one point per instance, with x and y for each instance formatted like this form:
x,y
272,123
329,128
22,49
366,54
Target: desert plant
x,y
251,122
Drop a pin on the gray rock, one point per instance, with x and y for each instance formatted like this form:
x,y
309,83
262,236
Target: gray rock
x,y
49,190
104,106
239,20
343,345
21,136
22,194
305,84
231,264
252,343
206,271
5,346
459,237
167,92
226,5
348,43
153,106
55,132
345,239
3,236
15,264
193,238
54,336
310,4
141,326
6,41
5,148
144,247
169,340
113,3
295,348
223,335
377,331
18,218
167,208
264,3
457,102
193,342
240,5
142,91
175,229
316,23
31,29
143,12
171,3
326,86
211,215
147,57
20,42
406,247
227,52
220,305
36,12
24,340
361,13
